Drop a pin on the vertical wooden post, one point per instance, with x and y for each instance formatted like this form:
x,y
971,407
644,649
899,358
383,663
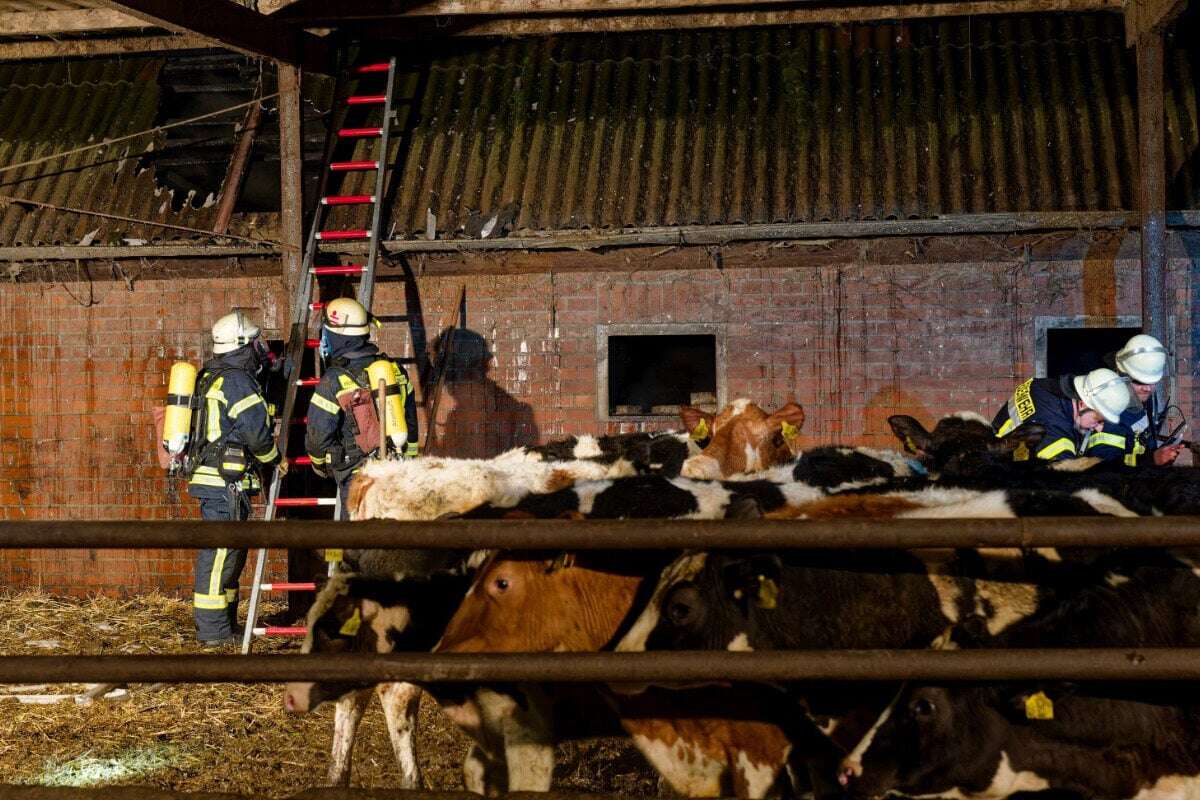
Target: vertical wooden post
x,y
1152,193
291,195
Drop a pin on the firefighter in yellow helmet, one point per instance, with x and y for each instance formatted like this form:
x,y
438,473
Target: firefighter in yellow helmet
x,y
1143,360
232,435
1072,408
334,440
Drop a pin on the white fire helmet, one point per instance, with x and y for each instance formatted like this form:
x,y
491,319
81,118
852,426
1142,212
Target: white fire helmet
x,y
1104,391
347,317
1143,358
232,331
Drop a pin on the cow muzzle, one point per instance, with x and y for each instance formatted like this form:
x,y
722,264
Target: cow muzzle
x,y
705,468
297,698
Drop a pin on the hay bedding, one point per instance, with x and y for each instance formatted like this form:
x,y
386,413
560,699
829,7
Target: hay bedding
x,y
217,737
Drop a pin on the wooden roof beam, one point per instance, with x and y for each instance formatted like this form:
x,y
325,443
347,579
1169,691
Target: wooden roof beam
x,y
82,20
315,13
235,27
664,20
1149,16
83,48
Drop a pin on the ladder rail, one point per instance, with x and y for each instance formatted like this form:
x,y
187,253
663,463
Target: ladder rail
x,y
366,286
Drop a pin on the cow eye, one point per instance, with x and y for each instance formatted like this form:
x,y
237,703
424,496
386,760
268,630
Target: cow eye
x,y
923,707
501,584
777,439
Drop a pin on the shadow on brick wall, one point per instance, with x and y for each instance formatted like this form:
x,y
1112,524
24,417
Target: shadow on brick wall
x,y
476,417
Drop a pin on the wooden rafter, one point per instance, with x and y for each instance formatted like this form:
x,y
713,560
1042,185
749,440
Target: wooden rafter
x,y
676,20
235,27
42,23
33,51
555,16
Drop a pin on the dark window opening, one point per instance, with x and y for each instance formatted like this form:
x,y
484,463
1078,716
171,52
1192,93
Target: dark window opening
x,y
1075,351
655,375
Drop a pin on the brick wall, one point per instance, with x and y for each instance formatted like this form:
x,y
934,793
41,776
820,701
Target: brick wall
x,y
852,343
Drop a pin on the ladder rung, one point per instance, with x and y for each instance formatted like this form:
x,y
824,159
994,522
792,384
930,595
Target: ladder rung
x,y
272,630
329,236
315,306
392,318
346,133
365,99
302,460
311,343
382,66
347,199
299,421
304,502
345,269
347,166
308,381
288,587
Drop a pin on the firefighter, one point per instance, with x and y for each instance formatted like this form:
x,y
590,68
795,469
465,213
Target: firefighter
x,y
1143,360
1072,408
343,403
232,438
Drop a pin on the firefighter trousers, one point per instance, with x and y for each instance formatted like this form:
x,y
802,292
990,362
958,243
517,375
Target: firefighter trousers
x,y
215,602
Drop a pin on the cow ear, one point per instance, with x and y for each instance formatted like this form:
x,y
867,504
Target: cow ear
x,y
753,581
790,418
1028,435
696,422
912,434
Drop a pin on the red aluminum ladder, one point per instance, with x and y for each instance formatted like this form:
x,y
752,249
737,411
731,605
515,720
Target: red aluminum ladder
x,y
303,308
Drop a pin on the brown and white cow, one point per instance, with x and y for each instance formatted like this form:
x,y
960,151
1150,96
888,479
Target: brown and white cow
x,y
744,439
705,743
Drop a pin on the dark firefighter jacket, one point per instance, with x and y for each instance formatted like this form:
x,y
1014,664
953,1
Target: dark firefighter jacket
x,y
330,441
1046,401
1128,439
234,412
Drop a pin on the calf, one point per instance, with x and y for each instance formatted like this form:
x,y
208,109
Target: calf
x,y
706,743
354,613
660,453
744,438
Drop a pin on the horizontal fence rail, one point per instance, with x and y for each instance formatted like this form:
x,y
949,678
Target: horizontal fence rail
x,y
1151,664
639,534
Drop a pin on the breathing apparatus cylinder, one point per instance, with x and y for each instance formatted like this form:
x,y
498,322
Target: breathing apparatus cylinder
x,y
177,422
392,413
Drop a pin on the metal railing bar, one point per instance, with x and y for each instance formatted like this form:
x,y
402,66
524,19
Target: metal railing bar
x,y
1107,664
640,534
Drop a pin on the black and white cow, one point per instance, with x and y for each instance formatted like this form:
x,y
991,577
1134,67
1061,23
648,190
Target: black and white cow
x,y
1099,741
661,453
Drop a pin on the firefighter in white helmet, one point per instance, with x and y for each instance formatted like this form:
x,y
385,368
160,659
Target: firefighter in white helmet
x,y
1143,360
231,437
1071,408
336,420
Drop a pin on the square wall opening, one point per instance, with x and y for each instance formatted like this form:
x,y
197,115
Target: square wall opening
x,y
651,371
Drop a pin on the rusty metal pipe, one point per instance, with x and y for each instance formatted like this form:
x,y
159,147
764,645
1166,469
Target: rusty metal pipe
x,y
680,667
613,534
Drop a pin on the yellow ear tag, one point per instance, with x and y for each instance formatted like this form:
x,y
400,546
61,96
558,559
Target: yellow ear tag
x,y
790,431
1021,452
1038,706
910,445
768,593
333,554
350,626
701,430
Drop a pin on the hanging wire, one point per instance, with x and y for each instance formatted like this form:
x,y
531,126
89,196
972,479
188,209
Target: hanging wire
x,y
137,135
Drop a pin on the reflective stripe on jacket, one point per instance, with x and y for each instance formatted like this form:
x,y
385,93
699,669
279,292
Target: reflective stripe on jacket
x,y
1047,402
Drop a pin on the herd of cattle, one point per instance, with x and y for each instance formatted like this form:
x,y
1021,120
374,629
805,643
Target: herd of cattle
x,y
751,740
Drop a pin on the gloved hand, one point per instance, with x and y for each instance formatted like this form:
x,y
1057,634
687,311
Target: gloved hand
x,y
281,467
1165,456
322,470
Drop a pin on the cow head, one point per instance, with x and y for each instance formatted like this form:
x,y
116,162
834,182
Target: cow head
x,y
930,740
744,438
707,601
964,444
542,603
356,614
